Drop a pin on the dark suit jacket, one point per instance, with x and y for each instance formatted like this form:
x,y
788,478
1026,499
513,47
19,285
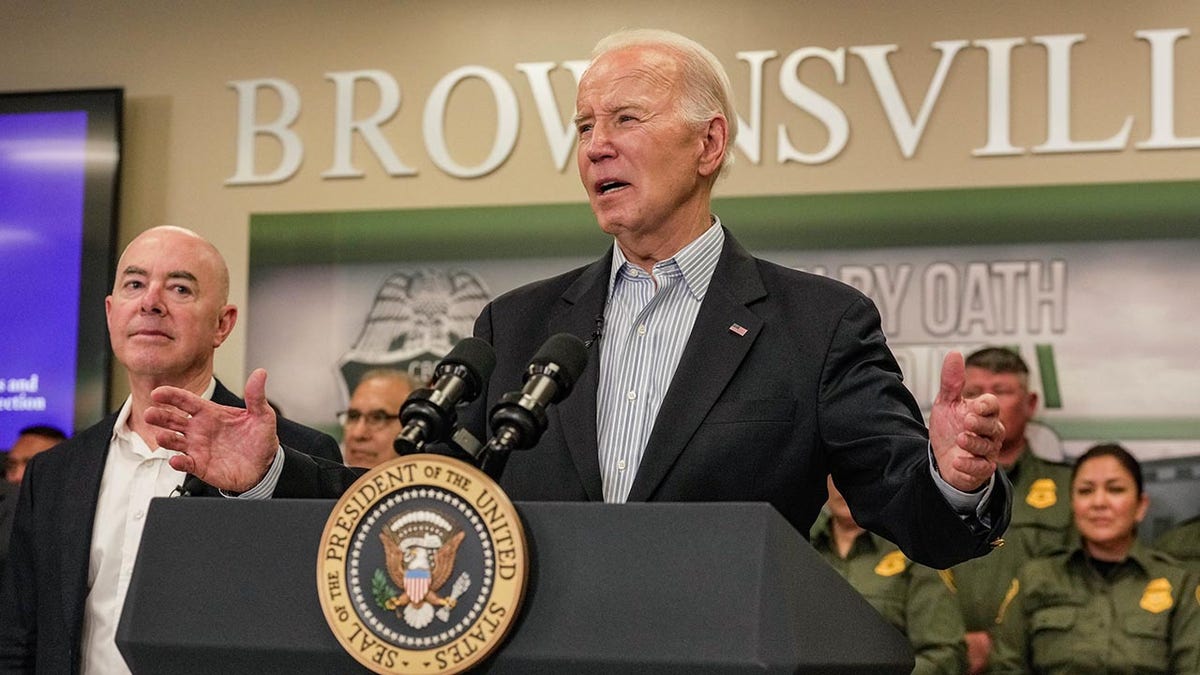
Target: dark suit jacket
x,y
811,388
44,587
8,508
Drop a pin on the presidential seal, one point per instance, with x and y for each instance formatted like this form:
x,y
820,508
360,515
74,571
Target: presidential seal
x,y
422,567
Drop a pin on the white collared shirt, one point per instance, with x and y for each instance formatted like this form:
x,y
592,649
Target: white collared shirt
x,y
133,475
647,322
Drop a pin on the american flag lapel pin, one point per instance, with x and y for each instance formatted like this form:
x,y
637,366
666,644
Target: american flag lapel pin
x,y
738,330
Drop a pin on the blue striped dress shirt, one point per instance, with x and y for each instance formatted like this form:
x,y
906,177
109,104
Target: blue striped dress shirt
x,y
647,322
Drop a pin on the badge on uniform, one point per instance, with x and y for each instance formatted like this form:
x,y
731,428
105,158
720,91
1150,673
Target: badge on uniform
x,y
891,564
1042,494
1156,599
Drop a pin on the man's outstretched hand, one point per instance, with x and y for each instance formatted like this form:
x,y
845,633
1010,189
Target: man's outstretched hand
x,y
965,434
228,448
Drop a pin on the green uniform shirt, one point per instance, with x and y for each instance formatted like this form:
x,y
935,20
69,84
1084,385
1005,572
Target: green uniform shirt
x,y
1065,617
911,597
1183,542
1041,524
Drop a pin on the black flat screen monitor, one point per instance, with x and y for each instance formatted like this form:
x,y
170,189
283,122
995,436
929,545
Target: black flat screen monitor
x,y
60,164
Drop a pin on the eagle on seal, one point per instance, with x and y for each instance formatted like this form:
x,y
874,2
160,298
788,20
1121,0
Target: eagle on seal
x,y
420,549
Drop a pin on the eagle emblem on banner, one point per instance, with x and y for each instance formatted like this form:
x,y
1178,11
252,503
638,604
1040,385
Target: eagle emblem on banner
x,y
418,316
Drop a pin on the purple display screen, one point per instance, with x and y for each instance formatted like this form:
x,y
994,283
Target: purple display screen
x,y
43,165
60,163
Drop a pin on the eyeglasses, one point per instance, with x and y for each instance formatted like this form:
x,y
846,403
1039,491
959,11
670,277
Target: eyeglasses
x,y
373,419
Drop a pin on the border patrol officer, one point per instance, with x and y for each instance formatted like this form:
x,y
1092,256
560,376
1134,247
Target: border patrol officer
x,y
910,596
1041,513
1109,604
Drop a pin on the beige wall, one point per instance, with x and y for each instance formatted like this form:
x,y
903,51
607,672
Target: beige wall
x,y
174,61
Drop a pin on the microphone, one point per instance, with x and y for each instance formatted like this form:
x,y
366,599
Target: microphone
x,y
597,333
188,487
519,418
428,415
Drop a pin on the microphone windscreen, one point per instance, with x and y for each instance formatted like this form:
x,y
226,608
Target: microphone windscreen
x,y
476,356
568,353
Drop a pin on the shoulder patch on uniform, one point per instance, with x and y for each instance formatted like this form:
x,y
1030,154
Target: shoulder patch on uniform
x,y
1156,599
891,564
947,577
1042,494
1013,589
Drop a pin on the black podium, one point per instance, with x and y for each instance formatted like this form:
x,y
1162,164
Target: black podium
x,y
230,586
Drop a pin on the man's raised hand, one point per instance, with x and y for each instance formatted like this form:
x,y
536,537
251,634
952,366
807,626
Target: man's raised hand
x,y
965,433
228,448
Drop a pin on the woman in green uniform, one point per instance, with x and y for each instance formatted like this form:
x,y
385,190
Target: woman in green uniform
x,y
1109,604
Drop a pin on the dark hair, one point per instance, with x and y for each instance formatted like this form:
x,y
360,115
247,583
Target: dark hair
x,y
1118,453
44,430
998,360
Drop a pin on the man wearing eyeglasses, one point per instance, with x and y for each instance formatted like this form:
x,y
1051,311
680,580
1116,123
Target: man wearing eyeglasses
x,y
372,421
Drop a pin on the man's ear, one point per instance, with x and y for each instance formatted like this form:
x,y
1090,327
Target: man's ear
x,y
226,320
713,147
